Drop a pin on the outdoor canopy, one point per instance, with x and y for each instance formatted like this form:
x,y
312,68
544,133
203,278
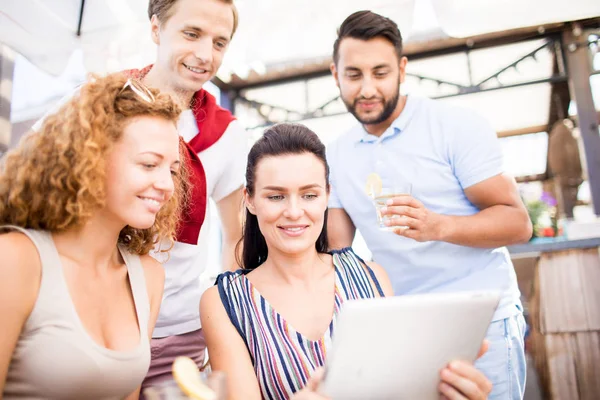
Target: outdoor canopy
x,y
114,34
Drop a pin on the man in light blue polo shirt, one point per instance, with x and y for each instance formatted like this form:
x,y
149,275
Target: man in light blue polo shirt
x,y
463,210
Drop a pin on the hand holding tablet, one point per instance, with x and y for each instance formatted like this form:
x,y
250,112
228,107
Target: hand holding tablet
x,y
396,348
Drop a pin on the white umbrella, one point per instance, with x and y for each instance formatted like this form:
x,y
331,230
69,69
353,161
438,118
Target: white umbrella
x,y
462,18
113,34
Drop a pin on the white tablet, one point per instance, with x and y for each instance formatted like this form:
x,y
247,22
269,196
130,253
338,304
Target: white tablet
x,y
395,348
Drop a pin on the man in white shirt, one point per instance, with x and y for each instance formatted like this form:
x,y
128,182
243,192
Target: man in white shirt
x,y
192,37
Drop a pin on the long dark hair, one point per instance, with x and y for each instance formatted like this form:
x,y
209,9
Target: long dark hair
x,y
278,140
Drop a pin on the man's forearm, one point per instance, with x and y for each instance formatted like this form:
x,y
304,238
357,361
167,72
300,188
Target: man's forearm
x,y
230,211
228,258
492,227
340,229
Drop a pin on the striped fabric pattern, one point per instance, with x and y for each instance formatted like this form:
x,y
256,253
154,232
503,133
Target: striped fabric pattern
x,y
283,358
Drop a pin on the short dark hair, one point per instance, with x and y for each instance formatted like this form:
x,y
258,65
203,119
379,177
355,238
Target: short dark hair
x,y
367,25
281,139
163,9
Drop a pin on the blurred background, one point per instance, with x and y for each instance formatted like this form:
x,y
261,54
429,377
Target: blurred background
x,y
531,67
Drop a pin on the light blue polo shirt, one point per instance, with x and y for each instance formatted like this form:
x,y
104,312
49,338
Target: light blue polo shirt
x,y
440,149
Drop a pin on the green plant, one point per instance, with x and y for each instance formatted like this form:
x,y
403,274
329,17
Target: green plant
x,y
542,213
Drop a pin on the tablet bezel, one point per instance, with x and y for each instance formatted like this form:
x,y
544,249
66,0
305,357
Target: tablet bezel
x,y
394,348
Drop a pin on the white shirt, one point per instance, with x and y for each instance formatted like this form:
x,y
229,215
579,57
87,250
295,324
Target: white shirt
x,y
224,165
441,150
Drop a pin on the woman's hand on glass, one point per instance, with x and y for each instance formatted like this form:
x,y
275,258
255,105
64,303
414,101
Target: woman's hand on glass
x,y
462,381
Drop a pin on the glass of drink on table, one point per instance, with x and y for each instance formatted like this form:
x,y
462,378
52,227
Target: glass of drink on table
x,y
381,191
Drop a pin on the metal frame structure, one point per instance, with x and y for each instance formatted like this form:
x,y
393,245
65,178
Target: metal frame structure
x,y
580,71
552,43
569,80
278,74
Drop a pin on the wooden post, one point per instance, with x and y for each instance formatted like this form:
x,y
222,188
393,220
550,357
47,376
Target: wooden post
x,y
565,324
579,68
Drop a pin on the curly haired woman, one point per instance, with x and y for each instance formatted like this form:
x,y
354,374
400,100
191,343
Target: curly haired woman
x,y
82,202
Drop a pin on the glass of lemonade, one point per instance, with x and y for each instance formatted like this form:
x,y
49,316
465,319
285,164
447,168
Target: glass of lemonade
x,y
171,390
390,191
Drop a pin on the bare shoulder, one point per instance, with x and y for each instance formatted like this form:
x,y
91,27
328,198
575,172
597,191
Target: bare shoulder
x,y
152,268
211,300
212,310
19,254
382,278
20,277
226,346
154,273
20,269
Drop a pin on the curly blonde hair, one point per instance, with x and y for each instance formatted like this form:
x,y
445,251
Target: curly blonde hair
x,y
55,180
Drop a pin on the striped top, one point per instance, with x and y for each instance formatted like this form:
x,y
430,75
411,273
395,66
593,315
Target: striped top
x,y
283,358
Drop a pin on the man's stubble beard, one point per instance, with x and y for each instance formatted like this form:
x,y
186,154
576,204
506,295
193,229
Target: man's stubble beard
x,y
388,109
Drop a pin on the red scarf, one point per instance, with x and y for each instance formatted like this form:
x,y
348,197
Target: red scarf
x,y
212,121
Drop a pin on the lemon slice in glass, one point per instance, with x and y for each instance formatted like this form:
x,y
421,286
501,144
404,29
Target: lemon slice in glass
x,y
187,376
373,187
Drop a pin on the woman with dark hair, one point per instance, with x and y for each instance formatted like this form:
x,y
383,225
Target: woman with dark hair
x,y
269,325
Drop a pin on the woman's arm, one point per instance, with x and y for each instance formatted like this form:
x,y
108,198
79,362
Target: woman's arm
x,y
228,353
227,350
20,275
155,282
383,278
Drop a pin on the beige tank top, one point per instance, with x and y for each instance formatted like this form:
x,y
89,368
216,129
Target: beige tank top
x,y
55,358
